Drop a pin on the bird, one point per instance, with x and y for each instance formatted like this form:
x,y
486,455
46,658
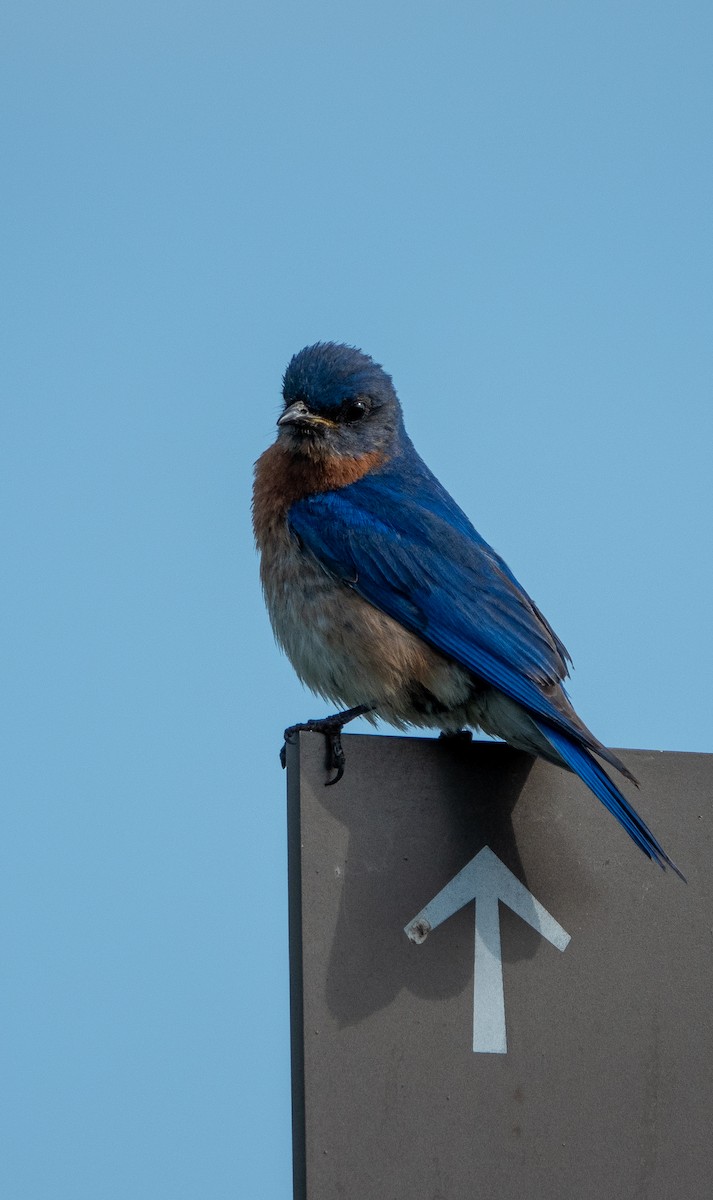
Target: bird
x,y
386,599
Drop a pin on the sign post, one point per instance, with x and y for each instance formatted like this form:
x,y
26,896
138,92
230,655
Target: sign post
x,y
421,1074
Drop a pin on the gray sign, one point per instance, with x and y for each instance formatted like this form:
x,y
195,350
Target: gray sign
x,y
576,1062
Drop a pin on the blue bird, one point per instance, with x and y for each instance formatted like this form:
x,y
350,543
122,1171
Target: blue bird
x,y
385,598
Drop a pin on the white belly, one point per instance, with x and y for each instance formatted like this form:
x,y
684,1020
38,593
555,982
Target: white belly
x,y
350,652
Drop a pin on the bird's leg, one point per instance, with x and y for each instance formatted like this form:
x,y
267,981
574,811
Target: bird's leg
x,y
332,728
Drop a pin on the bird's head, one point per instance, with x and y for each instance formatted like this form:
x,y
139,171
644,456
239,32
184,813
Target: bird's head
x,y
338,401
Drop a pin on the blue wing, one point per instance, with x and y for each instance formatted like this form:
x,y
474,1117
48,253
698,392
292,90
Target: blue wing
x,y
402,543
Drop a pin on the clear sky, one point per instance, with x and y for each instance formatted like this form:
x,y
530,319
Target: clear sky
x,y
509,205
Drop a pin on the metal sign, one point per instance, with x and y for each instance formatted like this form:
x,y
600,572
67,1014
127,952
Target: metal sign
x,y
606,1088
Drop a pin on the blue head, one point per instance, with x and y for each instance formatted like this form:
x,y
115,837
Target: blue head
x,y
338,401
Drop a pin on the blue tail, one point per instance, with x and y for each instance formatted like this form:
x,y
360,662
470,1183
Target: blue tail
x,y
589,770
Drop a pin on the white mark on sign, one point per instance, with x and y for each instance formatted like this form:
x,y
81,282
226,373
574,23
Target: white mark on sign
x,y
487,880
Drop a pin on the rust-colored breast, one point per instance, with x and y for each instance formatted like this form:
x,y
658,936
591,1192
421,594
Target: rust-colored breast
x,y
281,478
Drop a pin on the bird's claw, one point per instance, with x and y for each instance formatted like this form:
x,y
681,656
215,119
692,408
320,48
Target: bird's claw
x,y
332,730
336,758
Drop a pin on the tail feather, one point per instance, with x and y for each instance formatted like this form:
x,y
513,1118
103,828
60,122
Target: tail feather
x,y
590,772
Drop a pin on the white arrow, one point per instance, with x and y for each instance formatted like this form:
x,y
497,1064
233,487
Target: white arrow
x,y
487,880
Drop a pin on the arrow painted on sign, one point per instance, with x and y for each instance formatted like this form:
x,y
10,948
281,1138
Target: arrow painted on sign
x,y
487,880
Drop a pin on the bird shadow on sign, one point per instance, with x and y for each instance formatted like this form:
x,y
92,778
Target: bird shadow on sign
x,y
417,811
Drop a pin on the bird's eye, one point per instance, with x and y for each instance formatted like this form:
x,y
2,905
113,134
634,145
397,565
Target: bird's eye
x,y
354,410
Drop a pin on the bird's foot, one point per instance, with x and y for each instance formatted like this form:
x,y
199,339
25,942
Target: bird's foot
x,y
456,735
331,727
332,731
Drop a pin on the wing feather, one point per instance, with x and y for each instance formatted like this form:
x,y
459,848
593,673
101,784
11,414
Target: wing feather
x,y
418,559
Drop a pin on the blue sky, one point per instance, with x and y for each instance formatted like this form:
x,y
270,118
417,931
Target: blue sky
x,y
507,204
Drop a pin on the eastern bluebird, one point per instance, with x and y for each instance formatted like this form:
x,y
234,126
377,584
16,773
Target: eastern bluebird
x,y
385,598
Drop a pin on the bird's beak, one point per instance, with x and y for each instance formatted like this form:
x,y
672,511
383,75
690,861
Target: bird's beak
x,y
299,414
